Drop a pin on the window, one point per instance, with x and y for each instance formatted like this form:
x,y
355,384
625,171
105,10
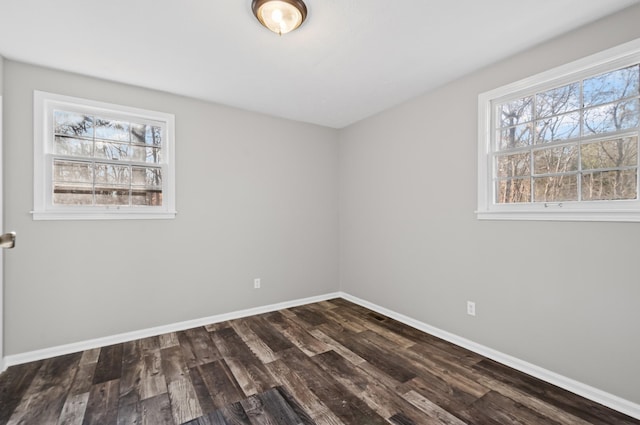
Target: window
x,y
563,145
94,160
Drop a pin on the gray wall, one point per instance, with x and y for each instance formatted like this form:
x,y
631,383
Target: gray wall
x,y
256,197
563,296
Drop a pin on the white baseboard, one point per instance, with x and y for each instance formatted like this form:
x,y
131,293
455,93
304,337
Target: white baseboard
x,y
75,347
614,402
617,403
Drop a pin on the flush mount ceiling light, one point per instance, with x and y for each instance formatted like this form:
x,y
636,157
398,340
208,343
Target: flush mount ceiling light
x,y
280,16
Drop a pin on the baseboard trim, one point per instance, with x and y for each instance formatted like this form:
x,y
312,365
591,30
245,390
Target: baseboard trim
x,y
75,347
614,402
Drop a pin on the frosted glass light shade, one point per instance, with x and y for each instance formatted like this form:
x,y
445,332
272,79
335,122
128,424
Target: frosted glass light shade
x,y
280,16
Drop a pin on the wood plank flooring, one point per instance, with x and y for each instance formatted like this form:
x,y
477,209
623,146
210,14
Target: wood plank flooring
x,y
327,363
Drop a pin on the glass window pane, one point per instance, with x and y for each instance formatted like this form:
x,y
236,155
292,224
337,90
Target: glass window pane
x,y
513,190
145,154
612,117
612,86
72,147
72,124
561,127
138,154
154,155
138,133
154,137
610,185
555,160
148,177
113,174
514,165
72,194
514,137
146,197
616,153
515,112
71,171
556,188
112,130
112,196
146,134
558,101
110,150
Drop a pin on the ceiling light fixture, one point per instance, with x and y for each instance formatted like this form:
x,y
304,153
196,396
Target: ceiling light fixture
x,y
280,16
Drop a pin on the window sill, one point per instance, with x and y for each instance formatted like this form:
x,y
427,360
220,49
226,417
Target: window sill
x,y
566,215
102,215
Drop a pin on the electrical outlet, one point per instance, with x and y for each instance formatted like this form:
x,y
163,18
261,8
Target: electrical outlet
x,y
471,308
256,283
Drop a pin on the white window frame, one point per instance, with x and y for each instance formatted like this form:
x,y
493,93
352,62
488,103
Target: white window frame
x,y
43,208
619,210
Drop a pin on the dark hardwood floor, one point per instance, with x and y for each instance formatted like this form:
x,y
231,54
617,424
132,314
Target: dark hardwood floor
x,y
331,362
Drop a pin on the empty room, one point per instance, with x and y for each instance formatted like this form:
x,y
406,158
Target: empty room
x,y
319,212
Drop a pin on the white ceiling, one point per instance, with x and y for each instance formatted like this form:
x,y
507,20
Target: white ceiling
x,y
349,60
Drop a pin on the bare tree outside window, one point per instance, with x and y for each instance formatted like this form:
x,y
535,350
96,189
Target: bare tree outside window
x,y
103,161
576,142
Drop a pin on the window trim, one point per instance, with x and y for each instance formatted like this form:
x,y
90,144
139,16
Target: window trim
x,y
619,210
43,208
